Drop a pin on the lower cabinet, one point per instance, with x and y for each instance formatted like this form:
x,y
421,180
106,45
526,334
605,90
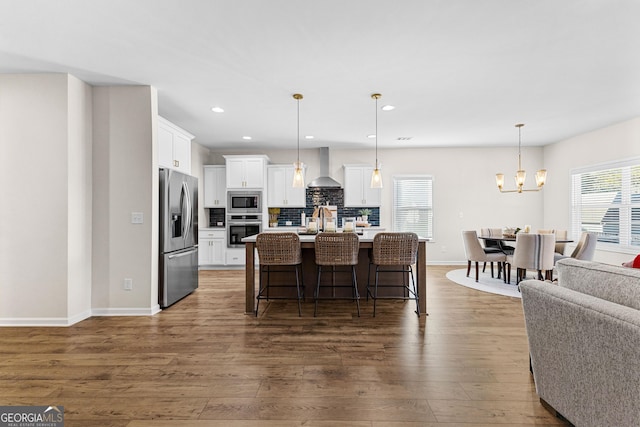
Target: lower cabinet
x,y
211,247
236,256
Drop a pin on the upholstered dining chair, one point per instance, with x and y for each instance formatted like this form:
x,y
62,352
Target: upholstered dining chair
x,y
584,250
394,253
533,252
337,250
491,246
475,252
282,251
560,247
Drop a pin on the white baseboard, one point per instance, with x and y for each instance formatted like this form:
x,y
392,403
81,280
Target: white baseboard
x,y
63,322
45,321
126,311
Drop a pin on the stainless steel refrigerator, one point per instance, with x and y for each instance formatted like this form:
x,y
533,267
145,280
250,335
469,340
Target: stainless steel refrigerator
x,y
178,236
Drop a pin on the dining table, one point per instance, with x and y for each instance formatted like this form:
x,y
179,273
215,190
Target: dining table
x,y
500,240
307,243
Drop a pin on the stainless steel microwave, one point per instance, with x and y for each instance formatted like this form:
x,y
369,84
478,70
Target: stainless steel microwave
x,y
239,202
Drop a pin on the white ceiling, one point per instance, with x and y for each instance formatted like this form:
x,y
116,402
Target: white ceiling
x,y
460,72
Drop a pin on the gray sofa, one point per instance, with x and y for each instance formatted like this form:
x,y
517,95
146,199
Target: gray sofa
x,y
584,341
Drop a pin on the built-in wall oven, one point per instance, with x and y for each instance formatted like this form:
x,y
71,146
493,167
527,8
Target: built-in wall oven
x,y
240,226
244,202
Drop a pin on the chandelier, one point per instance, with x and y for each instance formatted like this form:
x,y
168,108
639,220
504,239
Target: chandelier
x,y
541,175
298,172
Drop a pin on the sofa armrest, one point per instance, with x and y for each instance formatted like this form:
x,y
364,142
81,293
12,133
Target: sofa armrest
x,y
585,354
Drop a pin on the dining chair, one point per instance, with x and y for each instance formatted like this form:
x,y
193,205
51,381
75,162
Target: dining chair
x,y
337,250
475,252
560,247
394,253
533,252
491,246
584,250
279,250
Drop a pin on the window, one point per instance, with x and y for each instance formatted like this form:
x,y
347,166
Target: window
x,y
606,201
413,204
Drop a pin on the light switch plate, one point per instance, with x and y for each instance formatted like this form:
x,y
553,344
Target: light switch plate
x,y
137,218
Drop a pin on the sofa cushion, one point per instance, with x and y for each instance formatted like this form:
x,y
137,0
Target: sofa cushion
x,y
610,282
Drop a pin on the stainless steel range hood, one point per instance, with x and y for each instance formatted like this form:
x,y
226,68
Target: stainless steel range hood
x,y
324,180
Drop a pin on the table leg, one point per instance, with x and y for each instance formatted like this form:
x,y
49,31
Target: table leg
x,y
421,272
250,278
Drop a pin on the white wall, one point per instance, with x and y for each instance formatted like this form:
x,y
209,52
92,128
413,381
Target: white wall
x,y
125,180
44,222
80,194
616,142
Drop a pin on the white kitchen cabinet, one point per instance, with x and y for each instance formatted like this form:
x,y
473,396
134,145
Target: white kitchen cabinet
x,y
280,191
174,146
236,256
357,187
215,186
211,247
246,171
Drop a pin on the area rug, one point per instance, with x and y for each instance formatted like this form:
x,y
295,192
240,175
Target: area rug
x,y
485,282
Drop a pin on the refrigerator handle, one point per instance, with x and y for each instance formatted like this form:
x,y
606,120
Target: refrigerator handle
x,y
189,210
185,210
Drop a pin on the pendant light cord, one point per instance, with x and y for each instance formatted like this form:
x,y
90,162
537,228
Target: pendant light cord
x,y
298,97
376,96
298,103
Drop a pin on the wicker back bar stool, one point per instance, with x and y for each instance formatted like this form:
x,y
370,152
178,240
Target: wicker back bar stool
x,y
394,252
279,250
337,250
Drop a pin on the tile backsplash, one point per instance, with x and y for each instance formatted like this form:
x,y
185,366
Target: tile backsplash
x,y
320,196
216,215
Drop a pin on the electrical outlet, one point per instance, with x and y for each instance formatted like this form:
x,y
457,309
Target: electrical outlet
x,y
127,285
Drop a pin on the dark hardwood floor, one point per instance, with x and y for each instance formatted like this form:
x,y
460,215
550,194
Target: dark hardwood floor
x,y
203,362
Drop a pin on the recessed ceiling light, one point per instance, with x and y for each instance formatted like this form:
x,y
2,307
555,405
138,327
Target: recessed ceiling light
x,y
387,107
309,137
371,136
217,109
247,138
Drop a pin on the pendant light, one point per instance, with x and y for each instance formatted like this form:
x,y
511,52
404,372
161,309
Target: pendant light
x,y
541,175
376,176
298,173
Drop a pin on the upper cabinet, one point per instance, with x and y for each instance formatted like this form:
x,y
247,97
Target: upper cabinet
x,y
246,171
174,146
357,187
215,186
280,192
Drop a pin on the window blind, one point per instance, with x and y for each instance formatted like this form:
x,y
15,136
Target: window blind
x,y
606,201
413,204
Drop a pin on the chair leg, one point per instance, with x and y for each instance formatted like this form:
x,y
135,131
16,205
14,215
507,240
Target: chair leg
x,y
368,279
415,292
375,293
259,289
468,267
484,266
477,271
298,290
491,270
317,292
355,287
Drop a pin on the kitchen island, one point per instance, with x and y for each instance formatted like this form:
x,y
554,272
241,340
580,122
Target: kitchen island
x,y
309,268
